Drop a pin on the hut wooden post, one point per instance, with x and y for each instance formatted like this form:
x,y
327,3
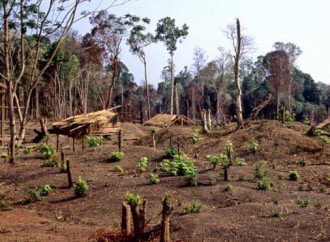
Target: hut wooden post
x,y
57,141
74,144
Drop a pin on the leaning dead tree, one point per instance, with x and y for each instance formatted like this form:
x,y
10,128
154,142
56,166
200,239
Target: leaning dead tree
x,y
320,126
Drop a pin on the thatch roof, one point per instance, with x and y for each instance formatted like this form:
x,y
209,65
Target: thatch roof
x,y
84,124
166,120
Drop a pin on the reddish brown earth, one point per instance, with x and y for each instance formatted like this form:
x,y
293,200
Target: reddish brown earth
x,y
242,214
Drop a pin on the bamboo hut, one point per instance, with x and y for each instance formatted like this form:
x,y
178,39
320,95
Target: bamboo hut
x,y
167,120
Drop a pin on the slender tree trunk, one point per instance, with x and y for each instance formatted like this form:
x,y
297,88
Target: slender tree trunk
x,y
239,115
37,113
193,105
172,85
177,104
147,89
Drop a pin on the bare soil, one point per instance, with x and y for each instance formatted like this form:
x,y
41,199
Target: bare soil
x,y
242,214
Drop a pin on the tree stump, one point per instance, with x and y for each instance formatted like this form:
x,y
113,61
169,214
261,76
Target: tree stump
x,y
126,219
165,229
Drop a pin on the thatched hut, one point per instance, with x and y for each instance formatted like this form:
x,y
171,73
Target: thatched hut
x,y
166,120
97,123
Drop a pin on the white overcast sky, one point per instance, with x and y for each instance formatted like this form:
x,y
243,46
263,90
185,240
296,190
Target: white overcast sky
x,y
305,23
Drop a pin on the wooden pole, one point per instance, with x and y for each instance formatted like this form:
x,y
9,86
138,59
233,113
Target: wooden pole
x,y
62,156
74,144
69,173
120,140
165,229
57,141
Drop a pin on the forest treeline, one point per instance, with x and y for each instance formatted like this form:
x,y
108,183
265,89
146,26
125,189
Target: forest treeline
x,y
52,71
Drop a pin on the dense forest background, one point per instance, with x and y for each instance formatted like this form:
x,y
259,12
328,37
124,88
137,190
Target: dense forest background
x,y
52,71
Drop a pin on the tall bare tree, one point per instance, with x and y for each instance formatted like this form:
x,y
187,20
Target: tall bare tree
x,y
241,45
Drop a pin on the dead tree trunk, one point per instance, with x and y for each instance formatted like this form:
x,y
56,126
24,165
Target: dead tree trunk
x,y
139,221
165,230
69,173
126,219
44,131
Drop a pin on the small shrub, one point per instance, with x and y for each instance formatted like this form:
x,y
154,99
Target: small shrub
x,y
45,190
50,163
119,169
265,184
116,156
221,160
165,165
228,188
47,150
289,118
94,141
294,175
303,202
212,179
259,170
181,165
27,150
4,155
133,199
254,146
63,166
154,178
33,194
240,162
195,135
142,165
153,130
191,179
281,176
194,207
81,188
241,177
5,205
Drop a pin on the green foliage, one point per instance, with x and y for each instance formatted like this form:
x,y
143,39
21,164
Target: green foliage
x,y
240,162
154,178
165,165
47,150
221,160
181,165
167,199
294,175
281,176
4,204
50,163
153,130
289,118
133,199
229,147
254,146
4,155
195,135
116,156
259,170
171,152
265,184
318,132
325,139
119,169
45,190
33,194
63,166
192,179
81,188
228,188
27,150
193,207
303,202
142,165
94,141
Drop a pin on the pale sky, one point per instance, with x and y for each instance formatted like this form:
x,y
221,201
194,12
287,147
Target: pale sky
x,y
305,23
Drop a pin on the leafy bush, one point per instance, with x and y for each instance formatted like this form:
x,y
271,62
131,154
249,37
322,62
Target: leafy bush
x,y
303,202
182,166
154,178
119,169
47,150
259,170
294,175
116,156
191,179
34,194
27,150
81,188
195,135
165,165
133,199
288,117
153,130
254,146
265,184
94,141
240,162
194,207
50,163
142,165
